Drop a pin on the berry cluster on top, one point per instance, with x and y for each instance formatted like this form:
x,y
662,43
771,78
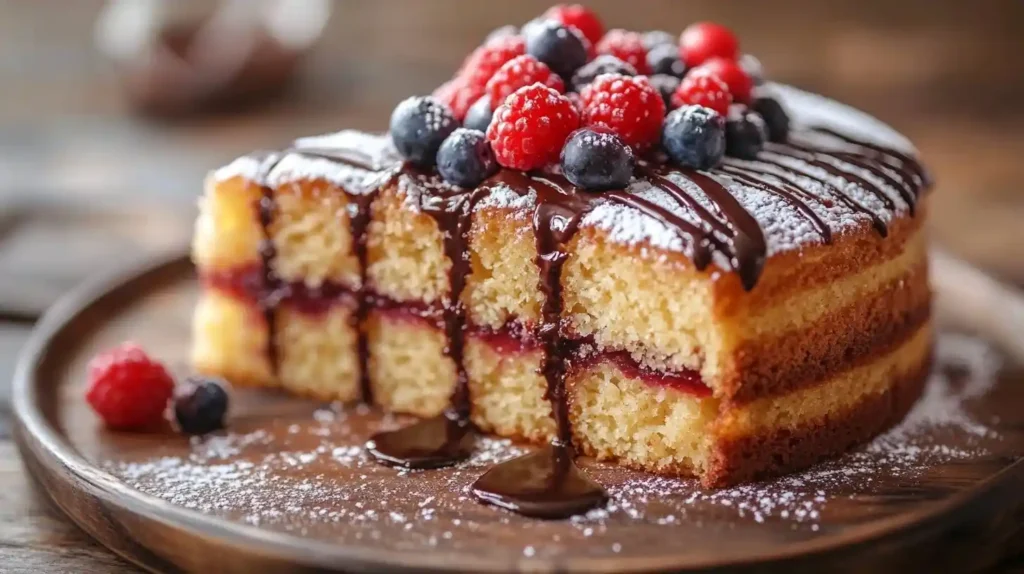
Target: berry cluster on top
x,y
562,90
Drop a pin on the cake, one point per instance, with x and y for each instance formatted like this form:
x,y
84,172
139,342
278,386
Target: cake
x,y
732,322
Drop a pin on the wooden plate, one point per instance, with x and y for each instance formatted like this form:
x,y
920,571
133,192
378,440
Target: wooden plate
x,y
289,488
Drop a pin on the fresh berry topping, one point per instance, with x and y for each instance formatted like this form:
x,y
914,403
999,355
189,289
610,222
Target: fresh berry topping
x,y
519,72
529,129
628,105
485,61
465,158
666,86
603,64
664,59
128,389
596,159
705,40
418,127
730,72
578,17
703,88
753,68
479,115
658,37
502,32
458,95
201,406
562,48
694,136
745,133
626,46
774,116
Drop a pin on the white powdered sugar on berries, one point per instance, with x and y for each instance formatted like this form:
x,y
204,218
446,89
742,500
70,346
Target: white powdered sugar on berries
x,y
313,477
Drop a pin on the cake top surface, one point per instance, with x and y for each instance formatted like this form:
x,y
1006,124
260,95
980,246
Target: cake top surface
x,y
673,148
785,227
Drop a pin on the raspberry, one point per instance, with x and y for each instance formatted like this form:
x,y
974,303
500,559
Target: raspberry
x,y
519,72
458,95
702,88
530,128
127,388
626,46
471,79
740,84
578,17
705,40
628,105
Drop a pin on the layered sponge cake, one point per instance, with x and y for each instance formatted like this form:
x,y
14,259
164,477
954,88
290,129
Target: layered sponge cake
x,y
727,323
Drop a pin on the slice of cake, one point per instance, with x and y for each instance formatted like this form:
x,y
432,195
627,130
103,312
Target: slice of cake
x,y
725,294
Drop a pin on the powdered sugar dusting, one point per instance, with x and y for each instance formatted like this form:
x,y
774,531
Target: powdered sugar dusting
x,y
311,476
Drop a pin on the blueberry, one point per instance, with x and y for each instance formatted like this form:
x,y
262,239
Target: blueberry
x,y
597,160
694,136
418,126
479,115
664,59
775,117
666,86
745,132
201,406
466,158
603,64
562,48
659,37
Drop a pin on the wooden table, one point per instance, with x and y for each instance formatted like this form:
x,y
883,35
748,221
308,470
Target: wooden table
x,y
84,184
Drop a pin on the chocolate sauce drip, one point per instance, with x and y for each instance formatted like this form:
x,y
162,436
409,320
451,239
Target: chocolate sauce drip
x,y
793,195
876,219
746,247
271,287
448,438
547,483
907,166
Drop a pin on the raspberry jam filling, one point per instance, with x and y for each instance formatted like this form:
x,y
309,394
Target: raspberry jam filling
x,y
512,338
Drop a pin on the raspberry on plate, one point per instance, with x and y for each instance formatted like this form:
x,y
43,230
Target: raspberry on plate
x,y
628,105
703,88
578,17
705,40
519,72
529,129
626,46
127,389
730,72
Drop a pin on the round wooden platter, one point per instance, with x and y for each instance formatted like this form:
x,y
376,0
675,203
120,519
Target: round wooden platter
x,y
289,488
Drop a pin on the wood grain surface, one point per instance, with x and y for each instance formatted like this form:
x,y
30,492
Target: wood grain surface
x,y
73,162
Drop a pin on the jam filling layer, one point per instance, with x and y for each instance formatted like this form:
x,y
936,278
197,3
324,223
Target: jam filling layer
x,y
512,338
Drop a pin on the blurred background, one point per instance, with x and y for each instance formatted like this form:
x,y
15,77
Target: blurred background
x,y
107,127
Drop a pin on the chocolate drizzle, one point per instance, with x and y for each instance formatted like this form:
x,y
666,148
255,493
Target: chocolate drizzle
x,y
548,483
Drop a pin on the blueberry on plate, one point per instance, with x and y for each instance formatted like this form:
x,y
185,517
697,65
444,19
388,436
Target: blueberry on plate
x,y
745,132
654,38
603,64
479,115
418,127
465,158
775,117
596,159
666,86
664,59
694,136
562,48
201,406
